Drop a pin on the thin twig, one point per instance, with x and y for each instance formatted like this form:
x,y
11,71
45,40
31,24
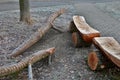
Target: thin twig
x,y
30,75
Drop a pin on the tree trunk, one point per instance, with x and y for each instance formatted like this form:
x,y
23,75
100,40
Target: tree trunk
x,y
98,61
5,70
37,35
25,11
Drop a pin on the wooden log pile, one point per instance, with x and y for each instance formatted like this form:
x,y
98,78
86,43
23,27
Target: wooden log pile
x,y
98,61
84,35
110,51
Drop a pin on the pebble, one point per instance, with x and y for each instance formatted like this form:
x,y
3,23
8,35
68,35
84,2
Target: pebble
x,y
71,71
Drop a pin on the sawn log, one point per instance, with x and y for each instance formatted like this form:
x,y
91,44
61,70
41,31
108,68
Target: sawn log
x,y
6,70
98,61
86,31
109,47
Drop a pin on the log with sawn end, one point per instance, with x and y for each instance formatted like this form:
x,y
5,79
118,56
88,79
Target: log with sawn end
x,y
6,70
110,49
78,41
98,61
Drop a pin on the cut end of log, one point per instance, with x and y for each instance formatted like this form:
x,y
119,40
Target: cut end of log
x,y
92,60
51,50
78,41
75,39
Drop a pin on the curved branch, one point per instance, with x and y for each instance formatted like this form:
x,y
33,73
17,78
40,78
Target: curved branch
x,y
5,70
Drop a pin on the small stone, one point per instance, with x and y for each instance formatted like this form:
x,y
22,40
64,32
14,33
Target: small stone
x,y
71,71
73,77
73,60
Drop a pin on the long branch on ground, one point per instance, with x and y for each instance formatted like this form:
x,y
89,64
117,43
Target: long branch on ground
x,y
37,35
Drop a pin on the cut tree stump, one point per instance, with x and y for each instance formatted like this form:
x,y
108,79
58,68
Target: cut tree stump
x,y
37,35
109,47
86,32
6,70
97,61
78,41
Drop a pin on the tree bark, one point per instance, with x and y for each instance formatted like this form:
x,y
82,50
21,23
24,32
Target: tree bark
x,y
98,61
78,41
25,11
5,70
37,35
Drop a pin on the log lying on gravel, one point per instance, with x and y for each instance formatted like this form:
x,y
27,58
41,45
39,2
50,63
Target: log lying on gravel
x,y
5,70
86,32
109,47
97,61
37,35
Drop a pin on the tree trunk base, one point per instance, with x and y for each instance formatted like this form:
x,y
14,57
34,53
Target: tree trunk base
x,y
28,21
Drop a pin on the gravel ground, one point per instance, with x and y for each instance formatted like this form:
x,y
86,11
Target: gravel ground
x,y
69,62
111,8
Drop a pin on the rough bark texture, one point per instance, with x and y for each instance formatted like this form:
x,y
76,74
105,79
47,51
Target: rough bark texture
x,y
98,61
78,41
25,11
5,70
37,35
86,32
